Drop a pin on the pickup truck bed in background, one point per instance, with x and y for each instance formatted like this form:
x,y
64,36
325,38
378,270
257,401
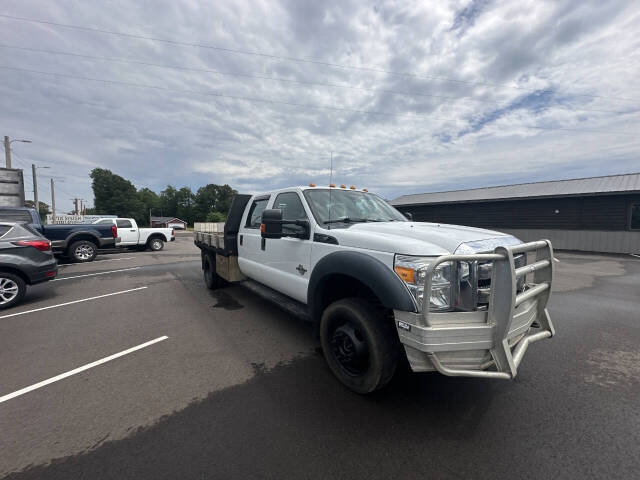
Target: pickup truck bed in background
x,y
80,242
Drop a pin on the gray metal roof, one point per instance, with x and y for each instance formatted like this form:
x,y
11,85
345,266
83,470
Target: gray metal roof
x,y
629,182
165,219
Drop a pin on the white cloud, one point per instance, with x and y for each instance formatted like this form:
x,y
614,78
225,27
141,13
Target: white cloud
x,y
474,64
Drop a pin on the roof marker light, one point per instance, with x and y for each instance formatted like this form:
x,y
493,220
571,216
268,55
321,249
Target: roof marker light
x,y
343,186
352,187
332,185
312,184
365,190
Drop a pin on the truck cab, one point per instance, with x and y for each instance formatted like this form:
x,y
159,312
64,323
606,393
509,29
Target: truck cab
x,y
131,235
458,300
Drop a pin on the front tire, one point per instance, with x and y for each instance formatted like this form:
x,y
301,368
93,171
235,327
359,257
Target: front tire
x,y
83,251
156,244
12,290
359,344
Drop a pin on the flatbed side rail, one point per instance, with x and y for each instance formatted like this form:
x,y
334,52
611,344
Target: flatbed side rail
x,y
503,303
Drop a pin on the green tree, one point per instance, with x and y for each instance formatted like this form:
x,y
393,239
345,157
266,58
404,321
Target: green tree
x,y
114,194
149,202
169,202
43,209
213,198
216,217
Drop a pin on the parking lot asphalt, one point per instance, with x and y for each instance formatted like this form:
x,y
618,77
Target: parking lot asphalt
x,y
238,389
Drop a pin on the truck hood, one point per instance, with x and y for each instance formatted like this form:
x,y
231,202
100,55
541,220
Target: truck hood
x,y
414,238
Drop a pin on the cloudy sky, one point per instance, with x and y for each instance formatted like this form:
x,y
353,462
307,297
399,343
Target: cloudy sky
x,y
409,96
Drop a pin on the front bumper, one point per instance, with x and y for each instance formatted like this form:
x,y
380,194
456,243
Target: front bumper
x,y
487,343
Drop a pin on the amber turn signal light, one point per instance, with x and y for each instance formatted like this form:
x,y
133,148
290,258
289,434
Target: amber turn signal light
x,y
406,274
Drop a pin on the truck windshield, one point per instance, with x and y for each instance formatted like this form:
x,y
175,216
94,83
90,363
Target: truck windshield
x,y
349,206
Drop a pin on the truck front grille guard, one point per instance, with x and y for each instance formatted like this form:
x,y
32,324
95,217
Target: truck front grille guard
x,y
503,301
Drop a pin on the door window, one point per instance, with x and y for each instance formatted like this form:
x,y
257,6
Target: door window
x,y
292,209
254,218
123,223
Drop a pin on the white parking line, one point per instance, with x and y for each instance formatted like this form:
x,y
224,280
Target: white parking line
x,y
66,265
92,274
71,303
62,376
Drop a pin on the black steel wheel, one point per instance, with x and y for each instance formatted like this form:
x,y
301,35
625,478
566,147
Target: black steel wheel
x,y
359,344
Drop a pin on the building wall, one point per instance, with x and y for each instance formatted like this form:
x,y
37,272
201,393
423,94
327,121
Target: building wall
x,y
589,223
583,240
610,212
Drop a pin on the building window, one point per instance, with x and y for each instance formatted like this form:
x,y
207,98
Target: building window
x,y
635,216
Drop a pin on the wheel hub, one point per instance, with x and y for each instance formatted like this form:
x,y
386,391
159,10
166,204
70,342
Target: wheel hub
x,y
350,349
8,290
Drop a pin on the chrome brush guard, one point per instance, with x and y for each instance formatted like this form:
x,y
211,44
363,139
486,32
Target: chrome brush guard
x,y
471,343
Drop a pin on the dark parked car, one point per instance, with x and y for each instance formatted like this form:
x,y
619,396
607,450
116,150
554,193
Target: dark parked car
x,y
25,259
80,242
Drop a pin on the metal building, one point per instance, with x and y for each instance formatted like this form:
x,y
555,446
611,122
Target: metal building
x,y
599,214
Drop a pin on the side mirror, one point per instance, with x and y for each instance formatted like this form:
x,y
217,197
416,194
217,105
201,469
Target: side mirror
x,y
271,226
408,215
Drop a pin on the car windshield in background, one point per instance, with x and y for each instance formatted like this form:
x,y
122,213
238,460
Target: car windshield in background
x,y
347,206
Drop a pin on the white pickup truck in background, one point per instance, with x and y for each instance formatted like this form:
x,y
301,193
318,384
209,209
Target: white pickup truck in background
x,y
132,236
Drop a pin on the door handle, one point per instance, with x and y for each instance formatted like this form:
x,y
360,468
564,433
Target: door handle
x,y
263,243
132,230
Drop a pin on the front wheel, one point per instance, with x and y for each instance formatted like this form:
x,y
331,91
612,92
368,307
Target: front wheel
x,y
83,251
156,244
12,289
359,344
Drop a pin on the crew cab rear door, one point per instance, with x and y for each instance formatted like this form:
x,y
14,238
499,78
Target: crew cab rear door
x,y
127,231
251,252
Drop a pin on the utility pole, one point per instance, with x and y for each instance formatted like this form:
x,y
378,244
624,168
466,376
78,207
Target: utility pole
x,y
7,151
35,189
53,203
75,206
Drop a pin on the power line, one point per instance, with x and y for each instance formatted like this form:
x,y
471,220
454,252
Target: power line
x,y
280,102
290,59
284,80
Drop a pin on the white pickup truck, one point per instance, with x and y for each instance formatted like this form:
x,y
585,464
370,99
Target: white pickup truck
x,y
458,300
143,238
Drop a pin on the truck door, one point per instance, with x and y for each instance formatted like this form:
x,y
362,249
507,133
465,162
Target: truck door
x,y
127,233
250,246
287,259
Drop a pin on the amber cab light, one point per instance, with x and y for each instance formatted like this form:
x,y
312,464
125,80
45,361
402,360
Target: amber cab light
x,y
42,245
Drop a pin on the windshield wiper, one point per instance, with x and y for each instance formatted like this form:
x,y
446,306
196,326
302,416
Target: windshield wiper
x,y
347,220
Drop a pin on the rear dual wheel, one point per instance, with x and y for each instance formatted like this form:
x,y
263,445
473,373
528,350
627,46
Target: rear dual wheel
x,y
359,344
211,278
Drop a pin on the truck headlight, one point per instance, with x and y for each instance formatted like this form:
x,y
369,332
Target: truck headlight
x,y
413,271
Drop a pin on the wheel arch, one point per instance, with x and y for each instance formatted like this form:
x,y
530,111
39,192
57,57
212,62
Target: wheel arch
x,y
343,274
15,271
76,237
153,236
